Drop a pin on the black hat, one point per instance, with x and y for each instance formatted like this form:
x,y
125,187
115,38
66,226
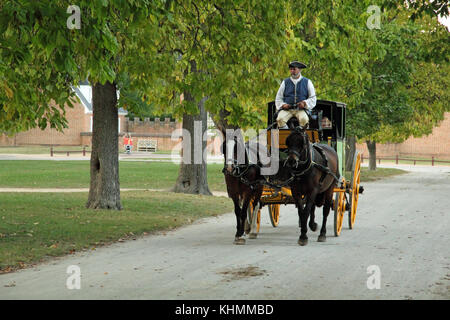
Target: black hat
x,y
296,64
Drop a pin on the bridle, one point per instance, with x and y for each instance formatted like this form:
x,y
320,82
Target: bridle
x,y
305,150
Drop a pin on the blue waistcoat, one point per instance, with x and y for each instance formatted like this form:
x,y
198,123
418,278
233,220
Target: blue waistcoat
x,y
293,94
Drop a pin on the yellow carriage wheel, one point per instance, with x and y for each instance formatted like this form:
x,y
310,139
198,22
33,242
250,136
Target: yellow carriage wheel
x,y
339,209
355,182
274,214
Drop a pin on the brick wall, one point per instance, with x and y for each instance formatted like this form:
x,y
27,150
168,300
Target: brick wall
x,y
436,144
78,122
6,141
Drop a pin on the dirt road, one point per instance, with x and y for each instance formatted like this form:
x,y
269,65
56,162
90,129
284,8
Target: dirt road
x,y
402,228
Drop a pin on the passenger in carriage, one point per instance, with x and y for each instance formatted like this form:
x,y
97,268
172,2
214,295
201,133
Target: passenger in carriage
x,y
295,90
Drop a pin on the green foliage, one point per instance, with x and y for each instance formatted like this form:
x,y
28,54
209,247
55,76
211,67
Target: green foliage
x,y
421,8
227,51
40,58
233,52
407,93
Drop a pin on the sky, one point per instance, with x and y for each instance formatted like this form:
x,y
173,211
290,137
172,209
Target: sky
x,y
445,21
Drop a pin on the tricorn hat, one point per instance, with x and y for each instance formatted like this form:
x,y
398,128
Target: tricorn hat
x,y
296,64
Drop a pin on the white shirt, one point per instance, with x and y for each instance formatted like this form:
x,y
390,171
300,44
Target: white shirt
x,y
310,102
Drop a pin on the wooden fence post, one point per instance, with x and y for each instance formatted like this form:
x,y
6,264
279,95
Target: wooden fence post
x,y
51,151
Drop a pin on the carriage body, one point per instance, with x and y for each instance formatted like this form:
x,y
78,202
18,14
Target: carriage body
x,y
326,126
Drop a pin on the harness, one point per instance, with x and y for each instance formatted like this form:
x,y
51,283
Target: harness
x,y
311,160
240,170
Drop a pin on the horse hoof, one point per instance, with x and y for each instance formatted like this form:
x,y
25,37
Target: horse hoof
x,y
313,227
322,239
253,235
303,242
239,241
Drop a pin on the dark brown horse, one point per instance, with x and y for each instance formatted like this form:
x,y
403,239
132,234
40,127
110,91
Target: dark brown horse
x,y
316,172
242,180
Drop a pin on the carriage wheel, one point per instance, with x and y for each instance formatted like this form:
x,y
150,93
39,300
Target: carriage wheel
x,y
250,212
339,209
274,214
356,177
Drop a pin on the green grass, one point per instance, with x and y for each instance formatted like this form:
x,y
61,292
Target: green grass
x,y
75,174
380,173
133,174
34,227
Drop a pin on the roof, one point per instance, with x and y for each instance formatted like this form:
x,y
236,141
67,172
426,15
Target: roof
x,y
84,93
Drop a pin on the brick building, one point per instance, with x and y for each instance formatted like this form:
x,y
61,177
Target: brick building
x,y
436,144
79,131
79,121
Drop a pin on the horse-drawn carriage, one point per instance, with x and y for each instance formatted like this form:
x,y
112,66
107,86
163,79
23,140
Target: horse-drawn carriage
x,y
326,135
327,126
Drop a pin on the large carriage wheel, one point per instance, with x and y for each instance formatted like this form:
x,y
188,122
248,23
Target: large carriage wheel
x,y
251,211
356,177
339,209
274,214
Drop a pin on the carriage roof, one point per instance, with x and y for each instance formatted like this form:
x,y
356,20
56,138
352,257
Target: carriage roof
x,y
333,110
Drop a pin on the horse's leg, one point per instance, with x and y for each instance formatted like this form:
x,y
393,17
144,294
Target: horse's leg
x,y
241,220
312,223
237,212
303,239
326,211
255,196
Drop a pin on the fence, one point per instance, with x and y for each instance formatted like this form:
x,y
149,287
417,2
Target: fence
x,y
52,151
433,160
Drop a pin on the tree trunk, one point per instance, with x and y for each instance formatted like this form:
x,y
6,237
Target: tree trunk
x,y
372,147
104,191
192,177
350,149
221,122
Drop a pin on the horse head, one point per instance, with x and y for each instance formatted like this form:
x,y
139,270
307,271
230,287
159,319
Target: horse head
x,y
297,143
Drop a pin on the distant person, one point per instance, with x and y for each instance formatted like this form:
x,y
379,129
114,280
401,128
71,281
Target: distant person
x,y
128,143
295,91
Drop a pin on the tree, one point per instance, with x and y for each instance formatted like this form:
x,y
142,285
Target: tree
x,y
333,39
397,105
41,58
419,8
220,56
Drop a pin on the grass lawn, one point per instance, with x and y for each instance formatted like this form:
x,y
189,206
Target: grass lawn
x,y
133,174
380,173
34,227
75,174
